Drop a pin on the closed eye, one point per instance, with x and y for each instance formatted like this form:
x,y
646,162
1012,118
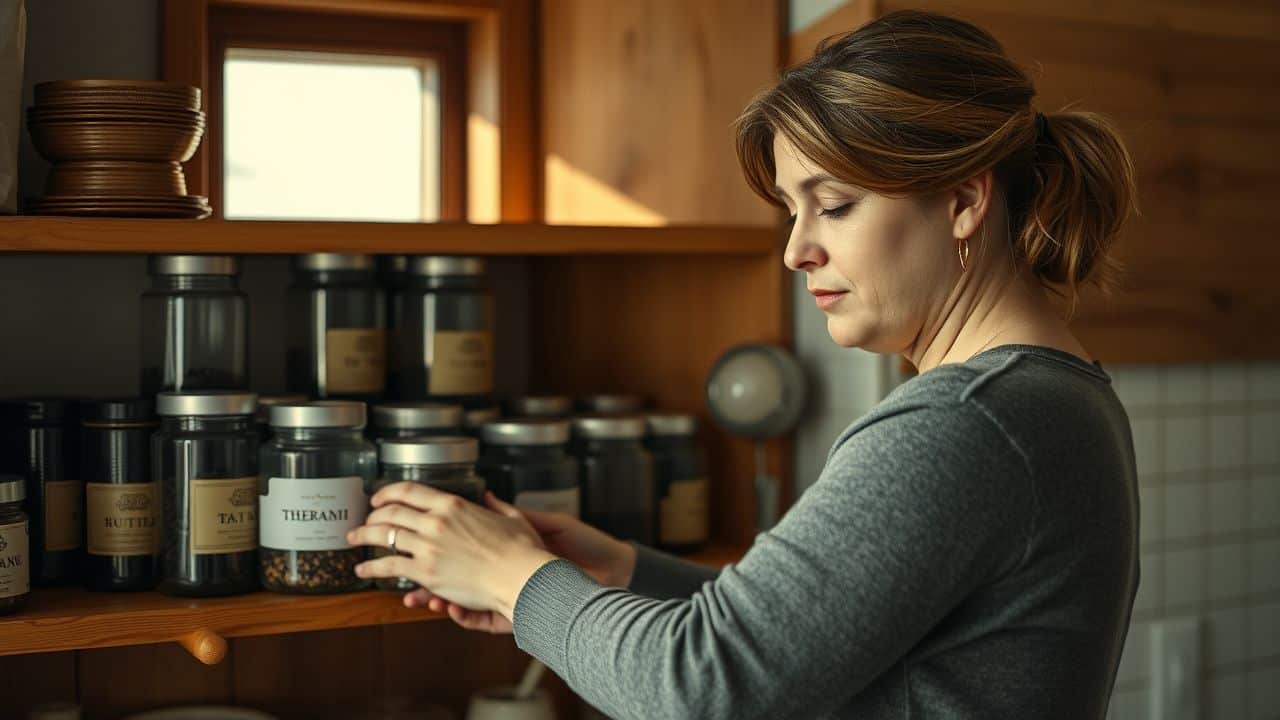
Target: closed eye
x,y
836,212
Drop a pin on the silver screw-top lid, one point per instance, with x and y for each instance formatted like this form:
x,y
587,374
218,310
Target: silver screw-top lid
x,y
12,488
612,404
319,414
541,406
266,402
480,416
206,403
428,451
417,416
436,265
194,265
672,424
597,427
526,432
334,261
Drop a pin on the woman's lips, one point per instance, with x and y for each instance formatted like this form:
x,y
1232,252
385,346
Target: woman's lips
x,y
826,299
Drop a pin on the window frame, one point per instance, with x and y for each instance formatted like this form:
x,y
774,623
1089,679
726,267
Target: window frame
x,y
445,42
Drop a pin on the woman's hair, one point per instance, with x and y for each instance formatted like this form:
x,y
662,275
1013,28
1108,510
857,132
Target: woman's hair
x,y
915,103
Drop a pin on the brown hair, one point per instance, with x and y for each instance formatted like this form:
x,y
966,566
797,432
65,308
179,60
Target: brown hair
x,y
915,103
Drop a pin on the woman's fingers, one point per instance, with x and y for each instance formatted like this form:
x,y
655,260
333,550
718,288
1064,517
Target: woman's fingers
x,y
502,508
545,522
380,535
417,496
424,524
393,566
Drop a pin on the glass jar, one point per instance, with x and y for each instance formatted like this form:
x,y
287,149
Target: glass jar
x,y
313,477
618,493
680,469
195,325
262,414
337,328
393,273
398,420
442,329
540,406
41,443
15,562
122,501
611,404
473,421
444,463
526,463
205,457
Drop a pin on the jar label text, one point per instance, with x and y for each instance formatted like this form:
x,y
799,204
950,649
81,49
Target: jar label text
x,y
224,515
312,513
123,519
15,572
683,515
63,515
461,362
355,361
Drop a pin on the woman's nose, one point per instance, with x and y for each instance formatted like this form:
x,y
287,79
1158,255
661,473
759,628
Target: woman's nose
x,y
802,252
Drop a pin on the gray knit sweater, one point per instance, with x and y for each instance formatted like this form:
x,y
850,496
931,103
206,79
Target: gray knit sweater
x,y
969,551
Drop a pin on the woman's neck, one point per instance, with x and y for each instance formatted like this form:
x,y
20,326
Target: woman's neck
x,y
1013,309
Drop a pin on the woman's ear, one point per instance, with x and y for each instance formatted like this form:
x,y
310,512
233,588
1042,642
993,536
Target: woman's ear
x,y
969,202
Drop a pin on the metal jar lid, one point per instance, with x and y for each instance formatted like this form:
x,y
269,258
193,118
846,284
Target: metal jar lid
x,y
428,451
541,406
526,432
266,402
672,424
478,417
194,265
207,403
596,427
417,416
612,404
12,489
334,261
319,414
437,265
121,412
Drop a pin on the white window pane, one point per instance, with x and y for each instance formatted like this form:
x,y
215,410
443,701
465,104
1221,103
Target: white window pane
x,y
312,136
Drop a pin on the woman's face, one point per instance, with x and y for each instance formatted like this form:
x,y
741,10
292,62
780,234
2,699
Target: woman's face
x,y
879,267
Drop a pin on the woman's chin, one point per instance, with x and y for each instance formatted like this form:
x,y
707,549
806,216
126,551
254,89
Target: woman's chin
x,y
846,333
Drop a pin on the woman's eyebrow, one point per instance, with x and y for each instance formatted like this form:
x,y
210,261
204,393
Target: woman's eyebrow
x,y
807,184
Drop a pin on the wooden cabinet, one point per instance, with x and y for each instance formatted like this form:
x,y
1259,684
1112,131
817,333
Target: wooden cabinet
x,y
637,103
639,310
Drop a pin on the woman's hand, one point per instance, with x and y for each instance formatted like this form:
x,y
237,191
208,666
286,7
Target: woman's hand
x,y
606,559
458,551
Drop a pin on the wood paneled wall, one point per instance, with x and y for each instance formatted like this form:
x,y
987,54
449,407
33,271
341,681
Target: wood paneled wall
x,y
1193,88
637,101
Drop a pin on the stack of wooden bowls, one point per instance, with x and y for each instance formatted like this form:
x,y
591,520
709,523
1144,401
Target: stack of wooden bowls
x,y
116,147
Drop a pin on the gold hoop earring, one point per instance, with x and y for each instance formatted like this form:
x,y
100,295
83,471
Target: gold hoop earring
x,y
963,250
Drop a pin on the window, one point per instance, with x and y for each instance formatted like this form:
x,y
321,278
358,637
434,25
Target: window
x,y
331,117
330,136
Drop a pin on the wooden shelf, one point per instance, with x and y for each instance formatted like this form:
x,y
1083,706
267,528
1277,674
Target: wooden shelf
x,y
121,235
71,619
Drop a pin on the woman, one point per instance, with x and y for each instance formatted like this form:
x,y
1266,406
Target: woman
x,y
969,549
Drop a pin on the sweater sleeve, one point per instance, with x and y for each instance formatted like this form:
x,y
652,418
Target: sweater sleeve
x,y
911,513
663,576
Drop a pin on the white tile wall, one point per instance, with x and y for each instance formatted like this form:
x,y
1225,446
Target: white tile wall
x,y
1207,441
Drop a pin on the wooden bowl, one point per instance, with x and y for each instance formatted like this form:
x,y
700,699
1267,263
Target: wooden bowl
x,y
128,92
112,113
116,177
141,141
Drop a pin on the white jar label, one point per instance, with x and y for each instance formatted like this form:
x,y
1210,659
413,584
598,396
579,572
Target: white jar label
x,y
311,513
558,501
15,572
